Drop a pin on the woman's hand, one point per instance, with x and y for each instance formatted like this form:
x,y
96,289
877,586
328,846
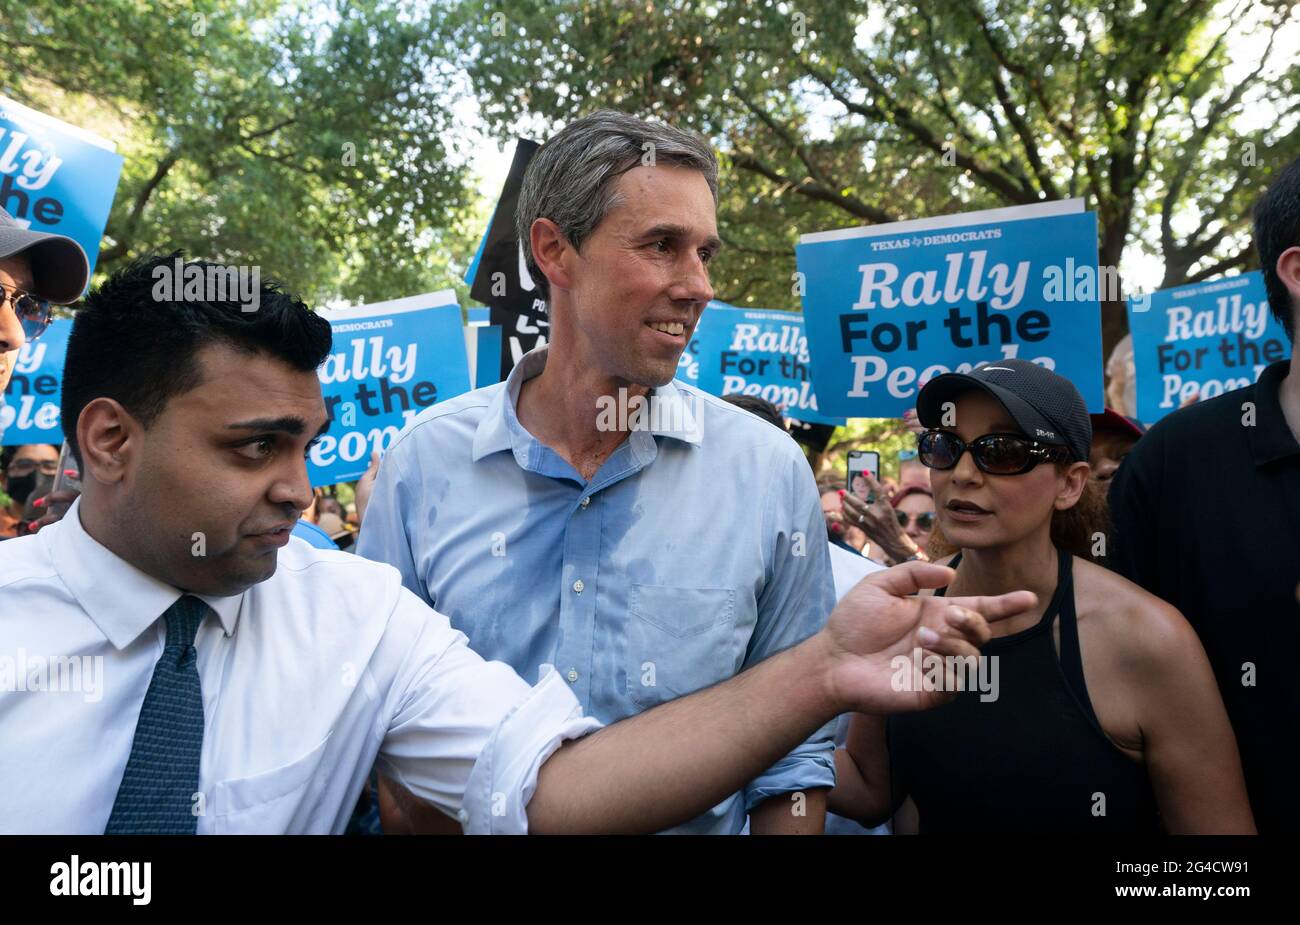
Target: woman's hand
x,y
55,505
878,521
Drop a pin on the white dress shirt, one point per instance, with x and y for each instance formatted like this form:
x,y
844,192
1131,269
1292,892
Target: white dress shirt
x,y
849,568
309,678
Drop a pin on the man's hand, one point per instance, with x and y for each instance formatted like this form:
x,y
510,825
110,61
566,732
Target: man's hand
x,y
365,486
879,619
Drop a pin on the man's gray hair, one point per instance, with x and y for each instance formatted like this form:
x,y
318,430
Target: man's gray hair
x,y
571,178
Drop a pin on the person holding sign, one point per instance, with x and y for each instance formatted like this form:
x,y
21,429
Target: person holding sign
x,y
557,518
1094,712
1228,468
217,675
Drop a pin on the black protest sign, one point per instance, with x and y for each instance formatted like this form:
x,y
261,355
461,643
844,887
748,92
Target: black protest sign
x,y
501,280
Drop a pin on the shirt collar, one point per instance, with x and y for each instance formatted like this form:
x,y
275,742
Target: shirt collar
x,y
494,431
119,598
1271,438
678,414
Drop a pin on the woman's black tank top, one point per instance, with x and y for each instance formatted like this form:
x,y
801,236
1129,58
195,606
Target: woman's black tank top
x,y
1033,758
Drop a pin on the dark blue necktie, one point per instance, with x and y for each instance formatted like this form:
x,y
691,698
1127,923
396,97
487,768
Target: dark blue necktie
x,y
156,795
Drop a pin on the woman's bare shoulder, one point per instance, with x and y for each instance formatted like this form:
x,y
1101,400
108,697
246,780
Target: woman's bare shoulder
x,y
1134,625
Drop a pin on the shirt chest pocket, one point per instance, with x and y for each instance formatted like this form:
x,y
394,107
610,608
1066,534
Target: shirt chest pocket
x,y
678,641
277,801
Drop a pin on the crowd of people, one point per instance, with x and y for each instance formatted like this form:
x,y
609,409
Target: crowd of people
x,y
1040,620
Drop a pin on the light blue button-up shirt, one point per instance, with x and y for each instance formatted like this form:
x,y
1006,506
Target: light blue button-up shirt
x,y
694,552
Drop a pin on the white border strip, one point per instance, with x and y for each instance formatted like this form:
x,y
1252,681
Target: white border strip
x,y
960,219
411,303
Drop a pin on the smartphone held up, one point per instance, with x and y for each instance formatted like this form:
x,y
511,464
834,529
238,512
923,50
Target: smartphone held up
x,y
862,461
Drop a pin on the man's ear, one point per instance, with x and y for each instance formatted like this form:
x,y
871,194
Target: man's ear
x,y
107,434
1288,271
1076,480
552,252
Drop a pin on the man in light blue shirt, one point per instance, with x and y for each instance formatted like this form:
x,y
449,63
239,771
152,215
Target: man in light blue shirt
x,y
172,660
590,513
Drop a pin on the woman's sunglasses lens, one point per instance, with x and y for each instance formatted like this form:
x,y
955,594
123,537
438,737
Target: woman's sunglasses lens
x,y
1004,455
937,450
925,521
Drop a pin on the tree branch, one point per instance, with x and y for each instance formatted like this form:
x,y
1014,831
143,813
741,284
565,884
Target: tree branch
x,y
810,188
899,116
132,223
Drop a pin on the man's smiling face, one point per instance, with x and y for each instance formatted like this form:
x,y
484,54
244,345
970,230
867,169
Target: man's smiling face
x,y
641,279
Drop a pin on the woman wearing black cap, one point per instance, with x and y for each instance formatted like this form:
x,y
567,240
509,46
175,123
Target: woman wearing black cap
x,y
1095,712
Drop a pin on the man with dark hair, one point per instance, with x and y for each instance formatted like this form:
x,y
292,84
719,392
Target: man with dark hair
x,y
1205,509
555,534
760,407
255,680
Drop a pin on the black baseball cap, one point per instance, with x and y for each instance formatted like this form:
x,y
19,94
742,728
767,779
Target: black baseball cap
x,y
59,265
1047,407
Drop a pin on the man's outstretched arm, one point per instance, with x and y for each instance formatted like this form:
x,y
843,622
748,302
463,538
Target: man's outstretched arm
x,y
666,765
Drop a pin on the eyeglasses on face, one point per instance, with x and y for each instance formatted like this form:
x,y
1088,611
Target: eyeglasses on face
x,y
21,467
924,520
34,314
996,454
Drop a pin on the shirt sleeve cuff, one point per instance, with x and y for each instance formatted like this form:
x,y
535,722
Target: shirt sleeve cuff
x,y
505,775
810,767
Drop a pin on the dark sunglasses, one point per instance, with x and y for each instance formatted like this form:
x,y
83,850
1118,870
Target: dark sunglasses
x,y
34,314
996,454
924,521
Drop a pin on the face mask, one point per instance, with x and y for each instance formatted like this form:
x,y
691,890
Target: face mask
x,y
20,487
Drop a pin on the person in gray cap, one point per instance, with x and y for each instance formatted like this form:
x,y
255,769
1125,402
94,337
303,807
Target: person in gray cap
x,y
1095,712
37,270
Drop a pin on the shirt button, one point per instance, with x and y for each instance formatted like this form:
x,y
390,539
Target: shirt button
x,y
573,674
463,815
585,501
578,586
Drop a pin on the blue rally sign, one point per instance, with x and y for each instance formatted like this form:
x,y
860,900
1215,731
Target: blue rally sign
x,y
759,352
889,307
688,364
56,177
389,361
1198,341
30,413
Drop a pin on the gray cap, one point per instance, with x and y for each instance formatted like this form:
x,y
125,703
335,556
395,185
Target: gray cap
x,y
59,265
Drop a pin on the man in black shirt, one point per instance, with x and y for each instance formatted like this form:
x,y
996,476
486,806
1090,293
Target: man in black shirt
x,y
1206,511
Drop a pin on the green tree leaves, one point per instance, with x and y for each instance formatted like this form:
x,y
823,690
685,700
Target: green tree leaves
x,y
304,137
